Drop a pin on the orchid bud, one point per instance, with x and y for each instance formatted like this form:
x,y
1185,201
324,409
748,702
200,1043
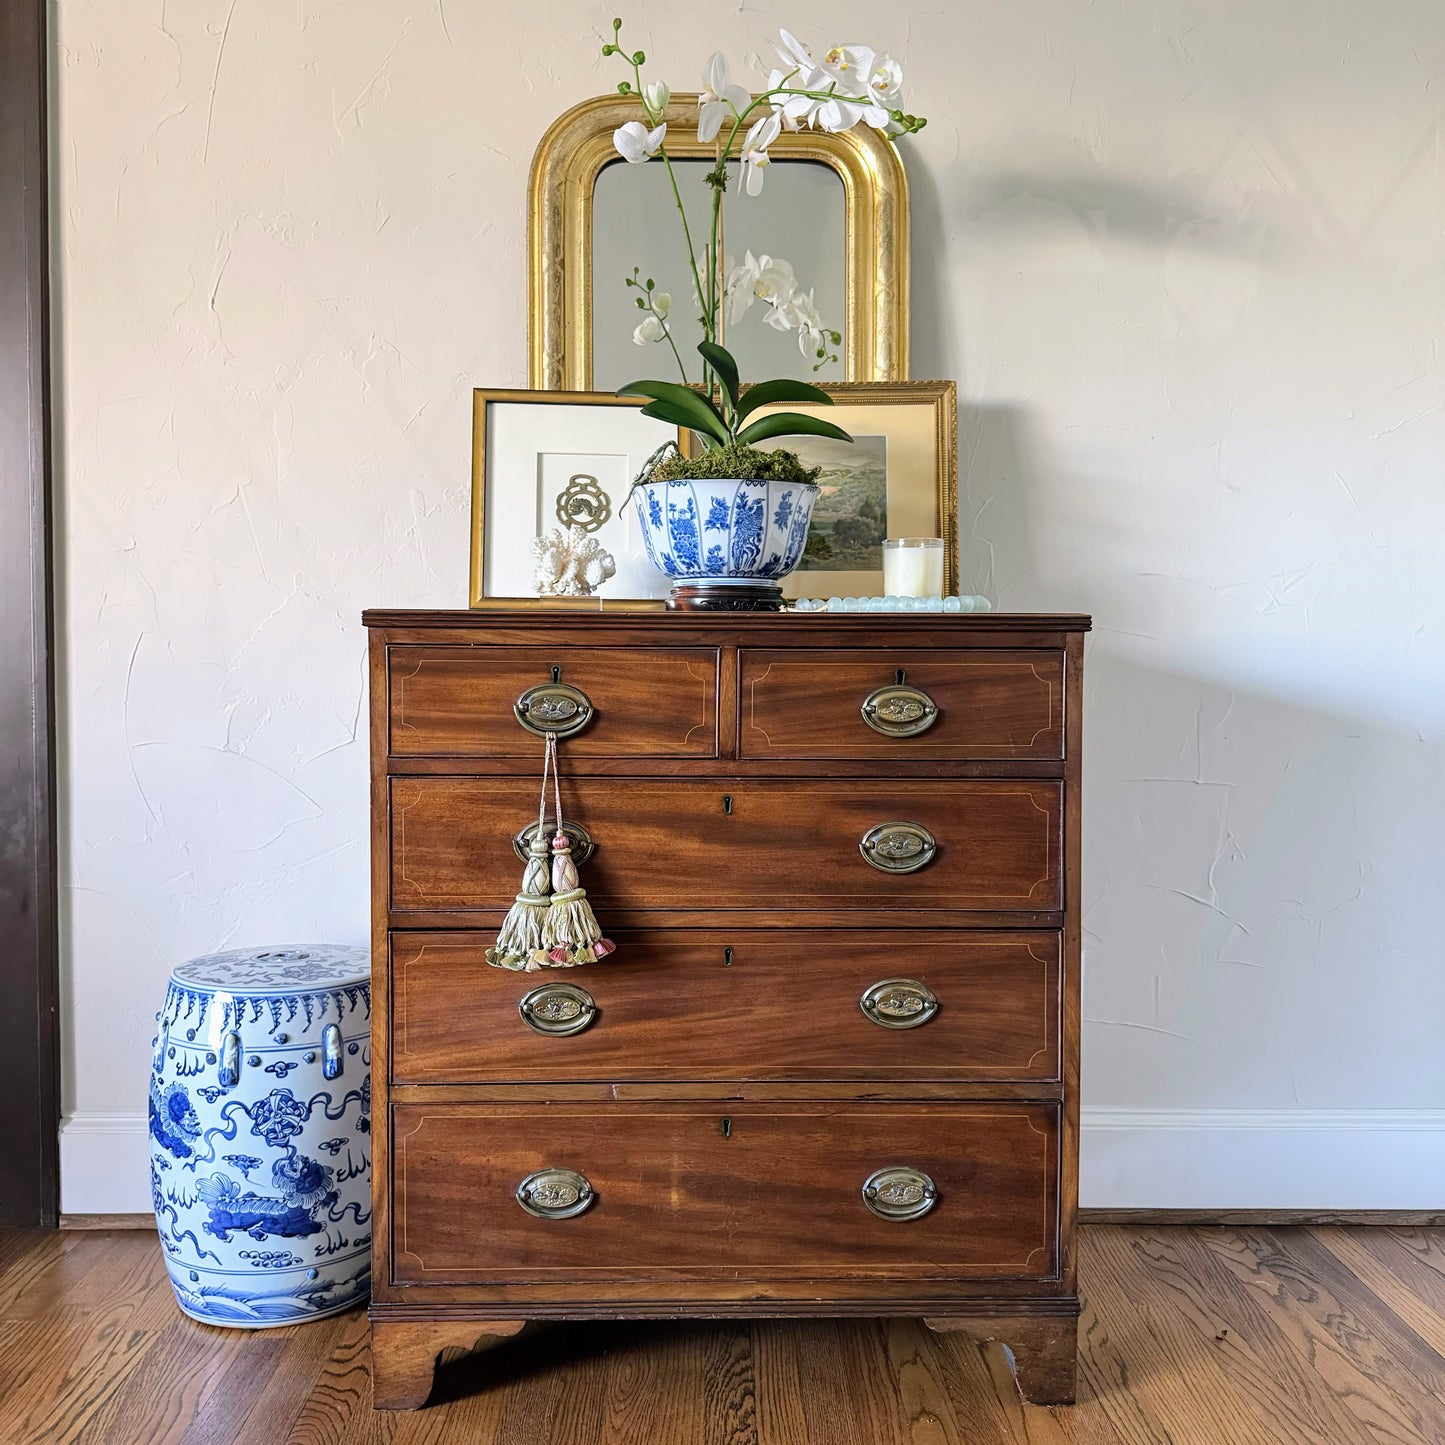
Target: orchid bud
x,y
657,95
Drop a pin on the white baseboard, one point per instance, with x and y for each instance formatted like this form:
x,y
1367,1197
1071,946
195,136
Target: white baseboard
x,y
1326,1159
105,1164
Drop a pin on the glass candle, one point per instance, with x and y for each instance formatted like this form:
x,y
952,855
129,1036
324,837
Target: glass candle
x,y
913,567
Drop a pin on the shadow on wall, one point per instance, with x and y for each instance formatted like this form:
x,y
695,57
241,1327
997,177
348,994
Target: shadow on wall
x,y
1259,864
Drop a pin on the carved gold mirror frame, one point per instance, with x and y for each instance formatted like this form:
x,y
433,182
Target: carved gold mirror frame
x,y
565,168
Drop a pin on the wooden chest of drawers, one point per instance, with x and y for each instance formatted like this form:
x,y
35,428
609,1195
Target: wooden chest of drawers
x,y
832,1067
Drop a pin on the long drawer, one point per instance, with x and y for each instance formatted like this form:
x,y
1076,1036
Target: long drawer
x,y
900,704
641,702
719,843
694,1191
740,1004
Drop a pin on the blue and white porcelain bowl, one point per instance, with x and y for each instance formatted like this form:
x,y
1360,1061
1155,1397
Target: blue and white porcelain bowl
x,y
702,530
260,1125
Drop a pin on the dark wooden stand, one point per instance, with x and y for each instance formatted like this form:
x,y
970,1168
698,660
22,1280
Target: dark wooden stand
x,y
758,596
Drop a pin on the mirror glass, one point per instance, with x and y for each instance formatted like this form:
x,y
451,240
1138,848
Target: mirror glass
x,y
800,216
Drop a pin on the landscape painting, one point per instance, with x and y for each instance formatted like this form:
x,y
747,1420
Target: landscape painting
x,y
850,517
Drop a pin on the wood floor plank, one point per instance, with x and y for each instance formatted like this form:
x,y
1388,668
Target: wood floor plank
x,y
1363,1355
730,1386
1172,1359
1398,1275
159,1400
1247,1343
942,1396
235,1391
1109,1408
80,1370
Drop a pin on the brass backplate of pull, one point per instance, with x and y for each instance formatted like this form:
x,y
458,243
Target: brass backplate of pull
x,y
899,1003
898,847
555,1193
553,708
581,840
899,711
557,1009
899,1192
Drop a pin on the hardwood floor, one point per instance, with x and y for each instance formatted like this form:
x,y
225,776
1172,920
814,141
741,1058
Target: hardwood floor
x,y
1191,1335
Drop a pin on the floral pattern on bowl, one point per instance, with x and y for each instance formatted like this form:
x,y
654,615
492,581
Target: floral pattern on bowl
x,y
702,528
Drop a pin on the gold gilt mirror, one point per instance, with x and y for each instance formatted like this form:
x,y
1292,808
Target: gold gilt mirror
x,y
835,206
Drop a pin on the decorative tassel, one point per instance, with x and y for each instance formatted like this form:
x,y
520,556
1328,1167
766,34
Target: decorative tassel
x,y
520,939
571,934
542,931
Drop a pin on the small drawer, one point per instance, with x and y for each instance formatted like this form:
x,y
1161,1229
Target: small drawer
x,y
723,1191
623,702
897,704
713,844
805,1005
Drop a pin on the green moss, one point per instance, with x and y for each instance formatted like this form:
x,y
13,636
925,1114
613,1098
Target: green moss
x,y
732,462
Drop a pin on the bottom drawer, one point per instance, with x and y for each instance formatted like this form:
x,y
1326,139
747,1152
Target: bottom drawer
x,y
707,1191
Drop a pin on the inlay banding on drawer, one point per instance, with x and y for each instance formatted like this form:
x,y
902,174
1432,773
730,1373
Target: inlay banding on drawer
x,y
743,844
645,701
737,1004
695,1190
988,704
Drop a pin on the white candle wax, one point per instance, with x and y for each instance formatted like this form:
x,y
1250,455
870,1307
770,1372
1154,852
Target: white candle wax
x,y
913,571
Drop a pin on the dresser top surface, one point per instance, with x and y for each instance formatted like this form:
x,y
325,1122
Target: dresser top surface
x,y
823,624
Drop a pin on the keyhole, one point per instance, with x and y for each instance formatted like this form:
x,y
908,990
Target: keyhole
x,y
727,958
900,676
557,674
727,803
727,1128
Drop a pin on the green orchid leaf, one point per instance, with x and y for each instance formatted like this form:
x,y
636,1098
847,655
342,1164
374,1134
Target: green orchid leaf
x,y
765,393
790,424
721,361
693,409
676,416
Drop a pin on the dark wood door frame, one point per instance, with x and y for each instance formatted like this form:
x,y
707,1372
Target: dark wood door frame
x,y
29,1056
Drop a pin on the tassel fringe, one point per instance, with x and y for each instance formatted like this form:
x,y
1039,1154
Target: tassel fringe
x,y
571,934
520,941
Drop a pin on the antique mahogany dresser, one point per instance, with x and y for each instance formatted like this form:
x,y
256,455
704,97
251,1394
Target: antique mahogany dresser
x,y
832,1067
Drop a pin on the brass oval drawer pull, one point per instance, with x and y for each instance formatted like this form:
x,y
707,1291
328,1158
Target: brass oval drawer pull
x,y
581,840
898,847
555,708
555,1193
899,711
557,1009
899,1192
899,1003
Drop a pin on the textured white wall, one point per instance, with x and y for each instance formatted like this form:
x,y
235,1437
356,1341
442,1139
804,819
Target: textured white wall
x,y
1187,261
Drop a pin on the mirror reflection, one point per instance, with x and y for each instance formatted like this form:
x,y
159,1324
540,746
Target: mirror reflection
x,y
799,219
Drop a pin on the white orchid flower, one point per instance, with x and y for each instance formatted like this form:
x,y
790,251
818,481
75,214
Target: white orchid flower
x,y
760,136
793,109
656,96
635,142
793,53
718,97
661,303
870,83
808,321
760,278
648,330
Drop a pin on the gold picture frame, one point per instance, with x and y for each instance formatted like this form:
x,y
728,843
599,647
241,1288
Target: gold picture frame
x,y
921,478
526,528
571,155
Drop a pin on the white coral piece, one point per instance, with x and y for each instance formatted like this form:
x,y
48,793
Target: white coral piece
x,y
570,563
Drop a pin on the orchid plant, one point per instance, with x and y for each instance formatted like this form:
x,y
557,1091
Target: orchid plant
x,y
849,85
